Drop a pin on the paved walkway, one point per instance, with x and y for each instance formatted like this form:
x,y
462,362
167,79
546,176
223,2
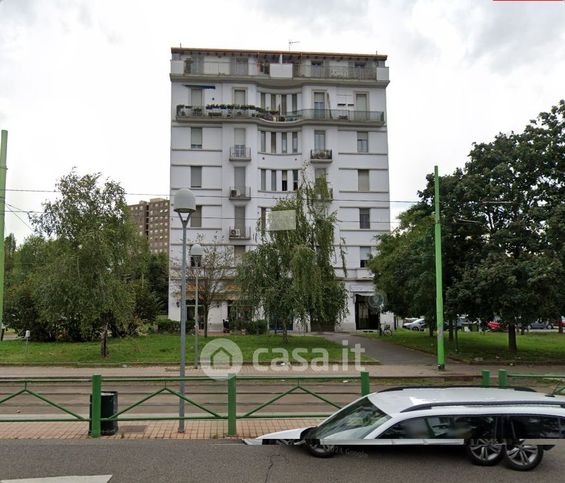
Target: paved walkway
x,y
385,352
197,429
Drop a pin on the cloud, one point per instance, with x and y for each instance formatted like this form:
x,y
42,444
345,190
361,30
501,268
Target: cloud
x,y
324,15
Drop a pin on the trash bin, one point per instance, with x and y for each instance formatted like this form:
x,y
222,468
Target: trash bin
x,y
109,406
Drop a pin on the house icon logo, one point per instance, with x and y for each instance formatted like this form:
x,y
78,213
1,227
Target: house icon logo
x,y
220,357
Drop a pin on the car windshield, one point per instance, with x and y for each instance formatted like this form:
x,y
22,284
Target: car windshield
x,y
353,422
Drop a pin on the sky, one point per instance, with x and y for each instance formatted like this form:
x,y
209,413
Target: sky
x,y
85,83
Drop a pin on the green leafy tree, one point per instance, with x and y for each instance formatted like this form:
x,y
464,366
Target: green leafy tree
x,y
86,283
290,276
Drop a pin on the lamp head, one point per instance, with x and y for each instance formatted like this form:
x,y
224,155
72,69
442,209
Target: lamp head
x,y
196,250
184,201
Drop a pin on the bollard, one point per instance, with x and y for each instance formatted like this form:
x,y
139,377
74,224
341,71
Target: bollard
x,y
232,405
365,383
502,378
486,377
96,406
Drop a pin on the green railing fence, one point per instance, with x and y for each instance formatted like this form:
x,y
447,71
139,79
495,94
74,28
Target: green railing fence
x,y
298,384
503,377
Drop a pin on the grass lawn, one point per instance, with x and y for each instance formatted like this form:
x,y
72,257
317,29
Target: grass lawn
x,y
490,347
158,348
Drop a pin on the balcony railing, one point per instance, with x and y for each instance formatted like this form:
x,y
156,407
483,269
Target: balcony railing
x,y
240,232
368,72
240,192
321,155
228,112
264,69
240,153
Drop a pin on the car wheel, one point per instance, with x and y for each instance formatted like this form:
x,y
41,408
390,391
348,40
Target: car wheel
x,y
320,450
484,452
522,456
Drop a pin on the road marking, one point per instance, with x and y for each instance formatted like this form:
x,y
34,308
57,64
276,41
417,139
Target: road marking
x,y
63,479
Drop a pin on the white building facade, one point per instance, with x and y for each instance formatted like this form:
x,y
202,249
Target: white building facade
x,y
244,124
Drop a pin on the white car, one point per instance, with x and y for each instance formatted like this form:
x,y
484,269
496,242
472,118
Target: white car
x,y
493,424
418,324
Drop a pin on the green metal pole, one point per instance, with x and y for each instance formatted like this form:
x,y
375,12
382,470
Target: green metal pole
x,y
232,405
96,404
3,169
485,377
502,378
439,281
365,383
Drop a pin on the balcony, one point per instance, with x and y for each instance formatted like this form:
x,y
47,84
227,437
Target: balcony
x,y
368,72
235,112
240,153
240,233
242,193
321,155
265,69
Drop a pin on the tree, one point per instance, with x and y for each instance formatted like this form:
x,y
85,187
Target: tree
x,y
290,276
216,268
86,283
503,232
157,275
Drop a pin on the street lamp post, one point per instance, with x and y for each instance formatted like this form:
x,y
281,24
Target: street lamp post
x,y
196,254
184,205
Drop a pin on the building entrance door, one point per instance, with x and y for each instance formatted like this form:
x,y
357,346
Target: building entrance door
x,y
366,318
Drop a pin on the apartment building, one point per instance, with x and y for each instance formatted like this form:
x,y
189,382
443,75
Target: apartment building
x,y
243,126
152,219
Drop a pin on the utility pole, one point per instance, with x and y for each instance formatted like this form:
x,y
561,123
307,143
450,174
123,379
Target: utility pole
x,y
3,169
439,279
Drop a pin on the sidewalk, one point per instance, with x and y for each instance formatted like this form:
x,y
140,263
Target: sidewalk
x,y
197,429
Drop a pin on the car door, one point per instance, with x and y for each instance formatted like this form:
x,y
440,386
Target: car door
x,y
407,432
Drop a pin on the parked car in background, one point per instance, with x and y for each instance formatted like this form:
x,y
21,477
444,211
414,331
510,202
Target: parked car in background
x,y
540,324
492,424
418,324
496,326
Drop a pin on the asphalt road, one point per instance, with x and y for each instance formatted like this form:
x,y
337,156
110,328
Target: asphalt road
x,y
217,461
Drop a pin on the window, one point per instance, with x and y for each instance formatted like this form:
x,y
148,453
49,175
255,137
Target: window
x,y
283,104
364,218
196,97
364,254
319,140
263,179
317,67
196,217
273,142
240,219
273,102
240,66
522,427
196,176
263,141
443,427
273,180
319,104
263,105
239,97
294,102
284,142
319,173
294,142
353,422
362,142
195,138
285,180
363,180
295,179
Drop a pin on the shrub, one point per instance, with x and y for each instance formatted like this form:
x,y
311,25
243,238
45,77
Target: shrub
x,y
168,326
256,327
